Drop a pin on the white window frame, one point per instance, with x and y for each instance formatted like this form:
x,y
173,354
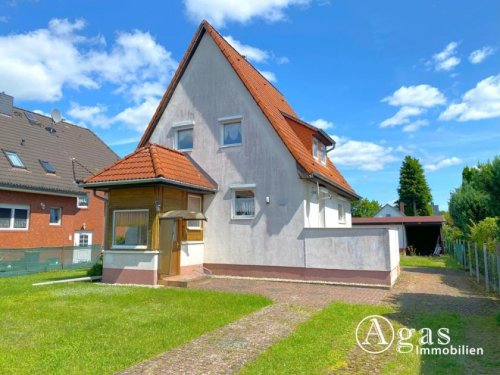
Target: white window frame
x,y
60,216
78,205
199,226
315,145
242,187
128,246
12,208
344,219
179,126
322,151
12,164
227,120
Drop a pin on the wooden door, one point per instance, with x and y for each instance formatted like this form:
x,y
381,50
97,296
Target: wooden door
x,y
170,257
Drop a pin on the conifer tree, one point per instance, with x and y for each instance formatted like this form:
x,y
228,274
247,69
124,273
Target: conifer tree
x,y
413,189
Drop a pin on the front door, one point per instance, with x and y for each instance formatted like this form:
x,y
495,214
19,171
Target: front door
x,y
170,257
83,247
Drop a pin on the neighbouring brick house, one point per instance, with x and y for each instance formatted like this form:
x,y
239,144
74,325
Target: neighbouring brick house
x,y
41,163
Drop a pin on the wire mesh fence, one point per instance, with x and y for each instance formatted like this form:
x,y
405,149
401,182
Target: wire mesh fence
x,y
481,262
30,260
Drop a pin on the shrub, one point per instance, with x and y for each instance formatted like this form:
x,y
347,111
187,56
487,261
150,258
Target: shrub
x,y
486,231
96,269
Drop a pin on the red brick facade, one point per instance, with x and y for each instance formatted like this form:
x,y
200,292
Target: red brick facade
x,y
40,232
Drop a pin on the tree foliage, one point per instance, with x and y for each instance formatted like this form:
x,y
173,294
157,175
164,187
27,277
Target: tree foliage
x,y
478,196
485,232
365,208
413,189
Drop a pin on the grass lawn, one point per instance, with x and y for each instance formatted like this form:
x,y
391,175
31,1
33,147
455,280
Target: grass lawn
x,y
85,328
443,261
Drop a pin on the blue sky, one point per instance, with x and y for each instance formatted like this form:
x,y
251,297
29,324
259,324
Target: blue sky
x,y
384,78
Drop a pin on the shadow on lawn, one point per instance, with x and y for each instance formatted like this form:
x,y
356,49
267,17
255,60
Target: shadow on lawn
x,y
449,298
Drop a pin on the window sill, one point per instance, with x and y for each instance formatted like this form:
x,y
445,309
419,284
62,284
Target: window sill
x,y
195,229
13,229
55,224
232,145
243,218
125,247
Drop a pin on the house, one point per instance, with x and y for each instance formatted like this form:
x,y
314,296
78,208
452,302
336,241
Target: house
x,y
389,210
422,233
228,180
41,164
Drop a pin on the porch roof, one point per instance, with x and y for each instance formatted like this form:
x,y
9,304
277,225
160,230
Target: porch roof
x,y
153,164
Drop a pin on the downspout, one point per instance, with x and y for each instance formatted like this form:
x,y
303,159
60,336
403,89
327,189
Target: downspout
x,y
106,205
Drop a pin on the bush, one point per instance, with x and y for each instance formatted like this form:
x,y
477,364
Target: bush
x,y
486,231
96,269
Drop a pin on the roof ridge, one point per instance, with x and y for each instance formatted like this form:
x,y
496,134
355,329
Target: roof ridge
x,y
158,171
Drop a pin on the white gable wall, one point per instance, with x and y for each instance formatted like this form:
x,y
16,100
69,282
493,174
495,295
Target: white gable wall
x,y
209,90
388,211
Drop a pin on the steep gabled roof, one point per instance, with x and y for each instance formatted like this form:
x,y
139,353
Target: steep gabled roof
x,y
271,102
73,151
153,162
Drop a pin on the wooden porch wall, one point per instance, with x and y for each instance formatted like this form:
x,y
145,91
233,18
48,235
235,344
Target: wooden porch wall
x,y
145,198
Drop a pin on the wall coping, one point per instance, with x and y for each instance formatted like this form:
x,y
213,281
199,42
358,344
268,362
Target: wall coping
x,y
131,252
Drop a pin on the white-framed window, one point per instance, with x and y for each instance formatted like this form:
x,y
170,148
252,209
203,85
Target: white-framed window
x,y
55,216
194,204
243,202
130,229
14,217
341,209
315,148
184,138
230,133
322,149
82,201
14,159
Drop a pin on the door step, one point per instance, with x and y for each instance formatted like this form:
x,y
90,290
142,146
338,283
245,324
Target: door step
x,y
183,281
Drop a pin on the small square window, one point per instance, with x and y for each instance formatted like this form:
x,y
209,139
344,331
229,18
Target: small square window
x,y
243,204
49,168
55,216
82,201
184,139
231,133
14,159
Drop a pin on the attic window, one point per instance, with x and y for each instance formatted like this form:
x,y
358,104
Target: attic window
x,y
322,149
30,116
14,159
49,168
315,148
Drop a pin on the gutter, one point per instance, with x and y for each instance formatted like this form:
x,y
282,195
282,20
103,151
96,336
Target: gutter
x,y
94,185
27,189
315,175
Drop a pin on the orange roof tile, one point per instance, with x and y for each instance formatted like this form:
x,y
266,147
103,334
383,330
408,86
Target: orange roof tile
x,y
154,162
272,103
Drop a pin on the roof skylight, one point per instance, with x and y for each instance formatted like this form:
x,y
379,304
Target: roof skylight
x,y
14,159
49,168
30,116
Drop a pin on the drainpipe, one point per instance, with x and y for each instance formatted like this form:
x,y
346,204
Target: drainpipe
x,y
106,204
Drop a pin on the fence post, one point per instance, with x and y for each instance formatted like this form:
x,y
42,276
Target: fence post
x,y
486,278
477,261
498,265
470,258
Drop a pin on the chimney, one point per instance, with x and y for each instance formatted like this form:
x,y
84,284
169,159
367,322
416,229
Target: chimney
x,y
6,104
401,207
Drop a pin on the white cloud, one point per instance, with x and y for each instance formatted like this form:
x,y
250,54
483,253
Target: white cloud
x,y
442,164
124,141
415,125
89,116
138,117
446,59
251,53
38,65
322,124
479,55
219,12
282,60
416,96
481,102
366,156
270,76
401,117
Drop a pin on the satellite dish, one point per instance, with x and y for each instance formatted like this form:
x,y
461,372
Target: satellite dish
x,y
56,116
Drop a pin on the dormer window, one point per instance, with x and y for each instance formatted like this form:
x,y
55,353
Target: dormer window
x,y
322,150
315,148
14,159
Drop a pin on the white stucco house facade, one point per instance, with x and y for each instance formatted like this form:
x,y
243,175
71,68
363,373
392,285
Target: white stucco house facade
x,y
280,209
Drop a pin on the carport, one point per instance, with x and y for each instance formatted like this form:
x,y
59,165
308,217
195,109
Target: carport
x,y
421,232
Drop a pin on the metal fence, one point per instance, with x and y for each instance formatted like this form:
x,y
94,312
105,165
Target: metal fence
x,y
30,260
482,263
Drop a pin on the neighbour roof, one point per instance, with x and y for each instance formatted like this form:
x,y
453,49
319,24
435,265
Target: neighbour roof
x,y
73,151
439,219
272,103
154,162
